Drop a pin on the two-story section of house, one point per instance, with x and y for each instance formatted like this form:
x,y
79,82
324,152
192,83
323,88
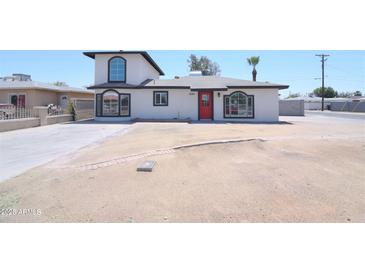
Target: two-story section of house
x,y
128,87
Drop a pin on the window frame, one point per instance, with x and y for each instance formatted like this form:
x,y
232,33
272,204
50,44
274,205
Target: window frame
x,y
154,98
129,104
252,97
102,103
17,94
100,96
125,70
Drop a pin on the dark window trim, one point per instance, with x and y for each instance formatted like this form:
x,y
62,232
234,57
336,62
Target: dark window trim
x,y
99,95
102,104
253,106
129,104
154,98
125,70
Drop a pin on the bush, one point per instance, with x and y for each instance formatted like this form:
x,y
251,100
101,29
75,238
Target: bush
x,y
294,95
328,92
71,110
358,93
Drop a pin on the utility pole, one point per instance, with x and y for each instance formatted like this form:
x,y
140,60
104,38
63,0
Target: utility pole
x,y
323,60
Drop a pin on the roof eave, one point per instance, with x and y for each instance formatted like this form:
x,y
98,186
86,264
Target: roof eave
x,y
145,54
260,87
209,89
42,88
138,87
188,87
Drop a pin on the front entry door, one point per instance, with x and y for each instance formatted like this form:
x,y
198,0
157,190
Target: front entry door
x,y
206,105
21,101
63,101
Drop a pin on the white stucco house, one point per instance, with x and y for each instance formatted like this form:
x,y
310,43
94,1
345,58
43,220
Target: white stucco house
x,y
128,87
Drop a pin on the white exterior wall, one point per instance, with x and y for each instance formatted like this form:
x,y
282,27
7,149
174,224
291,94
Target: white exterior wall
x,y
182,104
138,68
266,105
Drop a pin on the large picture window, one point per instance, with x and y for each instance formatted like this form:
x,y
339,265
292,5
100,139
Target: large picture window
x,y
117,69
238,105
160,98
110,103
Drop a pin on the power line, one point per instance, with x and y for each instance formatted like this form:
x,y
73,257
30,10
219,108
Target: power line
x,y
323,59
346,71
320,78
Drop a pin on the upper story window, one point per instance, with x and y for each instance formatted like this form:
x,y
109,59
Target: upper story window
x,y
160,98
117,69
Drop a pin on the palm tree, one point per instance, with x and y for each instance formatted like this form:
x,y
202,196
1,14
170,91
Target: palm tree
x,y
253,61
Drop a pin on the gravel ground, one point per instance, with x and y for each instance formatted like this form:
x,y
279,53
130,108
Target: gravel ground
x,y
306,169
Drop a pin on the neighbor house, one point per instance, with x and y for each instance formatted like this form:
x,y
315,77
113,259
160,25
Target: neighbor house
x,y
128,86
20,91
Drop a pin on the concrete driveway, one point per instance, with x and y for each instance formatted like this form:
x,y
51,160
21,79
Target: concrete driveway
x,y
336,114
21,150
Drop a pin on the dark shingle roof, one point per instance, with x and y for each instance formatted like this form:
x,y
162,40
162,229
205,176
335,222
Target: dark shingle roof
x,y
113,85
194,83
149,59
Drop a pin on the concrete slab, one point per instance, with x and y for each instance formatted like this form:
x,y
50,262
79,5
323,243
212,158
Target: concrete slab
x,y
146,166
21,150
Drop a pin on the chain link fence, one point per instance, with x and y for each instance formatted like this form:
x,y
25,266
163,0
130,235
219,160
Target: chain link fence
x,y
350,106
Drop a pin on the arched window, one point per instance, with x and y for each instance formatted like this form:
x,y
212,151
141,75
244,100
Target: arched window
x,y
238,105
117,69
111,103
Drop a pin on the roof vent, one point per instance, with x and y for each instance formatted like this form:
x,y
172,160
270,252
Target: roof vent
x,y
195,73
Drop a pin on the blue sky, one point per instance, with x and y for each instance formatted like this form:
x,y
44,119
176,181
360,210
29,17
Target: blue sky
x,y
345,70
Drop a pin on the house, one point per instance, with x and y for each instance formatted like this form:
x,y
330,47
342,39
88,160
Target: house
x,y
20,91
128,86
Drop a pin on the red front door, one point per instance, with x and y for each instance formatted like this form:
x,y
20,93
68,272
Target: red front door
x,y
206,105
21,101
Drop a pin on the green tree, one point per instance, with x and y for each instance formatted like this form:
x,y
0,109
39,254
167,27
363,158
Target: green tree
x,y
293,95
358,93
253,61
203,64
59,84
328,92
344,94
194,63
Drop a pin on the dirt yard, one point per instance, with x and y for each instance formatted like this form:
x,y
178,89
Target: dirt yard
x,y
307,169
